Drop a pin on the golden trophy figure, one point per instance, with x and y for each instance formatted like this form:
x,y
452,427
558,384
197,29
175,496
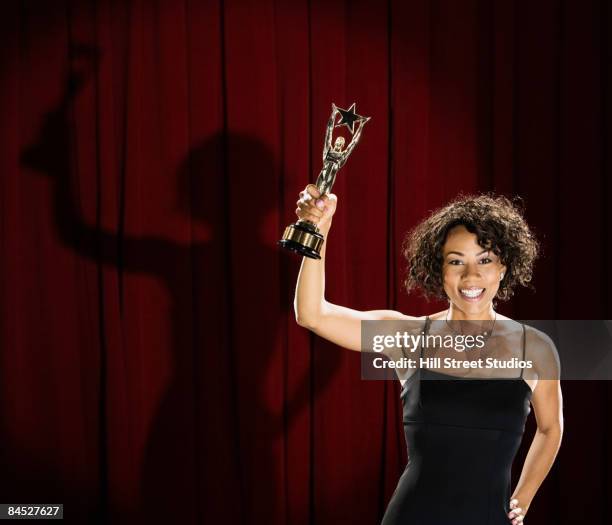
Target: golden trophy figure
x,y
303,236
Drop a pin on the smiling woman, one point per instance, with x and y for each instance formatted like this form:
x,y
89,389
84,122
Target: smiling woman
x,y
471,252
462,435
485,230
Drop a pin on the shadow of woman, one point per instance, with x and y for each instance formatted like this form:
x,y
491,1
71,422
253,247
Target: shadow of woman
x,y
213,446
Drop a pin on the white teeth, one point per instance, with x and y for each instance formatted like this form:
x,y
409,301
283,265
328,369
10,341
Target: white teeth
x,y
472,292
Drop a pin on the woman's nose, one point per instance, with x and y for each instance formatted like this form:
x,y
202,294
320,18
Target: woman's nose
x,y
471,270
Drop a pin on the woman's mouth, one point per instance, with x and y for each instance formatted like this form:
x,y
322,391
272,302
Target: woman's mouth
x,y
472,294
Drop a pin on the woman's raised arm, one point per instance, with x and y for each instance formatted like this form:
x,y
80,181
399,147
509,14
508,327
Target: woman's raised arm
x,y
337,324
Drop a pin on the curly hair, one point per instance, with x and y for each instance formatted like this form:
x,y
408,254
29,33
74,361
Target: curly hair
x,y
499,225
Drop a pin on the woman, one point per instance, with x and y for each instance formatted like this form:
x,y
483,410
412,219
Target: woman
x,y
462,435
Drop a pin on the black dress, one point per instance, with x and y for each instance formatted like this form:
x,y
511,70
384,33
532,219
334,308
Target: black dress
x,y
462,436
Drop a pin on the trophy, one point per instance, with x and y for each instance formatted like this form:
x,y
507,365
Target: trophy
x,y
303,236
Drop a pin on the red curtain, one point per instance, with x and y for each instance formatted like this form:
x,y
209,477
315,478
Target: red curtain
x,y
151,155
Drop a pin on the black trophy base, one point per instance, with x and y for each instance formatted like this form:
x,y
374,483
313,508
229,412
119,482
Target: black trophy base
x,y
302,237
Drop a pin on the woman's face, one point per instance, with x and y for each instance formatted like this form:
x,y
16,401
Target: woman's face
x,y
470,273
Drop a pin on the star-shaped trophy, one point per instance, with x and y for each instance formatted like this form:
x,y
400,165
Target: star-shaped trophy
x,y
349,117
303,236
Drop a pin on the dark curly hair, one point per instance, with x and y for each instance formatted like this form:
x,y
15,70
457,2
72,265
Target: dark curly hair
x,y
499,225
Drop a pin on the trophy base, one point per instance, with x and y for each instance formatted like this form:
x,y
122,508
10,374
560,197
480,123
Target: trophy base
x,y
302,237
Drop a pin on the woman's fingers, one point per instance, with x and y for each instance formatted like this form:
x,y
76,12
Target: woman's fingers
x,y
315,207
516,513
307,216
314,202
311,206
308,208
313,191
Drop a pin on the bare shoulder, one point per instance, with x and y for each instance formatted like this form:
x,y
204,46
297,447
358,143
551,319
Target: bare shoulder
x,y
541,349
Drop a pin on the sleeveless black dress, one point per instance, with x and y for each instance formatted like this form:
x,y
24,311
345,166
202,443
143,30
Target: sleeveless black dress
x,y
462,436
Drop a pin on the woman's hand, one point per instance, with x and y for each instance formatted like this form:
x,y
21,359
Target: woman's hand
x,y
516,514
316,208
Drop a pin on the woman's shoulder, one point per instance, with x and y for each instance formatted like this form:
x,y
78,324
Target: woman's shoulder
x,y
541,349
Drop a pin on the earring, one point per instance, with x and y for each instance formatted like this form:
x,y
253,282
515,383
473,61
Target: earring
x,y
501,276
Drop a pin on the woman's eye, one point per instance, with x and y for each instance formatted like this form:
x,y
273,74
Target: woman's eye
x,y
486,259
454,261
